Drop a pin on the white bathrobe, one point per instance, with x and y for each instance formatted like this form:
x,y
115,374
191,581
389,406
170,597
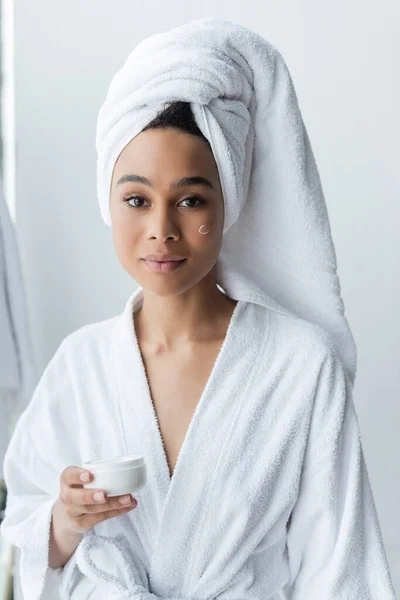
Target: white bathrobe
x,y
270,493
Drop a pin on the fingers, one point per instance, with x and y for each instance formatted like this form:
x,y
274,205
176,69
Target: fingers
x,y
114,503
75,476
81,497
79,501
71,479
87,521
86,507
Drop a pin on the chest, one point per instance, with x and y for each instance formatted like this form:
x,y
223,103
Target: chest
x,y
176,383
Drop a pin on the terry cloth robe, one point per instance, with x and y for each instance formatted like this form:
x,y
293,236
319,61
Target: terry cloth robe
x,y
270,492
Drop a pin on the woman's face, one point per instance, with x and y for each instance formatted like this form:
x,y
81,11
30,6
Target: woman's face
x,y
162,216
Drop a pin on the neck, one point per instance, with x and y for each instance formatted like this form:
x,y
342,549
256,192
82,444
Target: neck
x,y
197,315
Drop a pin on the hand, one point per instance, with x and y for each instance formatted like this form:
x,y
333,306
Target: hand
x,y
78,509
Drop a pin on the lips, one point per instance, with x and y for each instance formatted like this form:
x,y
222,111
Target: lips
x,y
163,257
164,266
165,260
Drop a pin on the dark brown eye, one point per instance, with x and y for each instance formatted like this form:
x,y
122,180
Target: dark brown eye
x,y
200,201
133,198
192,199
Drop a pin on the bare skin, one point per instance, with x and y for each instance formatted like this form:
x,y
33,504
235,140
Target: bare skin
x,y
184,317
175,398
77,510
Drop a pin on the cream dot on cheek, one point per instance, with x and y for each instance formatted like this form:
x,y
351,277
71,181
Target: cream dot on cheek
x,y
204,229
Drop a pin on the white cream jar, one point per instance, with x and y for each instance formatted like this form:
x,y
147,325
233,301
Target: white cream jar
x,y
117,476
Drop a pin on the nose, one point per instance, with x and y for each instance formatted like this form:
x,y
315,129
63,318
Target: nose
x,y
162,225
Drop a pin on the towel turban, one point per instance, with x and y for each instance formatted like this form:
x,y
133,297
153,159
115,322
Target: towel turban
x,y
277,248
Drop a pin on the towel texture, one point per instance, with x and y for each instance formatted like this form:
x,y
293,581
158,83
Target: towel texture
x,y
277,248
270,491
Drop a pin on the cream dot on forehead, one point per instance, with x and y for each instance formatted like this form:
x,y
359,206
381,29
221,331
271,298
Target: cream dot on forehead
x,y
204,229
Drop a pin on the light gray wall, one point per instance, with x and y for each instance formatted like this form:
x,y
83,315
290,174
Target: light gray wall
x,y
342,57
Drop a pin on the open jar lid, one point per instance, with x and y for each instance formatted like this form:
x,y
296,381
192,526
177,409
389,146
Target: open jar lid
x,y
115,464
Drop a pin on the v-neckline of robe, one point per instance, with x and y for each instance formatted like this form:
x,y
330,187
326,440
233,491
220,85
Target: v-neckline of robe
x,y
150,404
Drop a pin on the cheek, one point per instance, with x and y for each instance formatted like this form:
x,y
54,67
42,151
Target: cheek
x,y
206,237
125,237
202,234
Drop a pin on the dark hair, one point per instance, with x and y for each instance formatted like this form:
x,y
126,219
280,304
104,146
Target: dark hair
x,y
177,114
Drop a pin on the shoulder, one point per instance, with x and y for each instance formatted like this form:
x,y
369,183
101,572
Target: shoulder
x,y
92,335
80,352
86,345
80,360
312,349
296,335
312,360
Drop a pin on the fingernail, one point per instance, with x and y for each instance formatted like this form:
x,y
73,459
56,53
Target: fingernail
x,y
84,476
98,497
124,500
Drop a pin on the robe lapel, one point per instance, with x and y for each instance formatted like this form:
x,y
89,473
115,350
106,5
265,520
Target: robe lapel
x,y
177,567
169,518
137,423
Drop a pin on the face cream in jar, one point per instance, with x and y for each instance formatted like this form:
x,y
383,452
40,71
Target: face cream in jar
x,y
117,476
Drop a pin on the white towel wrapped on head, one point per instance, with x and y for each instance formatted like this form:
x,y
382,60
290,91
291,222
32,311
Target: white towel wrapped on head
x,y
277,248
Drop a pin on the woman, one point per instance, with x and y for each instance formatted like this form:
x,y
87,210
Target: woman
x,y
230,369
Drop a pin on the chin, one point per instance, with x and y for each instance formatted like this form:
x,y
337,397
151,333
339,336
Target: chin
x,y
166,288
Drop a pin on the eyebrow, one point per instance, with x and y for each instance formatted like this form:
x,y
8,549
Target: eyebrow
x,y
185,181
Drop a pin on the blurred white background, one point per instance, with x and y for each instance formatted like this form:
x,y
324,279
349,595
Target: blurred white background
x,y
344,61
